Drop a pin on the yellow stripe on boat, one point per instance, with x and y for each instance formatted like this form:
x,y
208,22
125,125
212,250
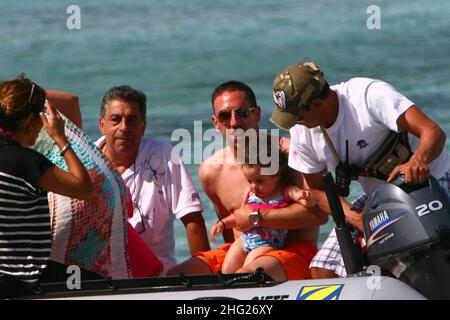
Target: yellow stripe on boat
x,y
330,292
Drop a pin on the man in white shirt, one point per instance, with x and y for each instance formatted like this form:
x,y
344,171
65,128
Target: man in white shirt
x,y
361,111
161,187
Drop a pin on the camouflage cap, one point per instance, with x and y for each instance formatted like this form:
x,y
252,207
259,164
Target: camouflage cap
x,y
294,88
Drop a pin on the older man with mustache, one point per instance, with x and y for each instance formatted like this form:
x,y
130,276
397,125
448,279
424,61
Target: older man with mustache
x,y
161,187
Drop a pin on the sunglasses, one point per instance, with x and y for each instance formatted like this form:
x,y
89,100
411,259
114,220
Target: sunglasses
x,y
31,93
241,113
33,100
138,208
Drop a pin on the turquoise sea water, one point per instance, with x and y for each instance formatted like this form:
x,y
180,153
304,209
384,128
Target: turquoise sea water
x,y
178,51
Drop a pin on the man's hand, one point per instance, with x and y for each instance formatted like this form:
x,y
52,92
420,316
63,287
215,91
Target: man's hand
x,y
241,215
304,197
415,171
354,218
432,142
351,215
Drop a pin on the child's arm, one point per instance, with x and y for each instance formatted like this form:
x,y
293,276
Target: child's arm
x,y
301,196
74,184
225,223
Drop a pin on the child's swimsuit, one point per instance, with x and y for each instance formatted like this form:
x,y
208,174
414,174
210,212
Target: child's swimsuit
x,y
258,237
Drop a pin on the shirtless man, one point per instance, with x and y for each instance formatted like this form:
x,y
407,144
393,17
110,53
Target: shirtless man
x,y
234,107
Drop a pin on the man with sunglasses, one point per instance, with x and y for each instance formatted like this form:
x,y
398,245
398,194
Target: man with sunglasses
x,y
363,112
162,189
234,107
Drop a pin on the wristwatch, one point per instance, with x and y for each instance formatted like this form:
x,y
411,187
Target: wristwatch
x,y
255,218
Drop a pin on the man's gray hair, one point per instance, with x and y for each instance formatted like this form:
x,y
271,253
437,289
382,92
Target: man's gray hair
x,y
125,93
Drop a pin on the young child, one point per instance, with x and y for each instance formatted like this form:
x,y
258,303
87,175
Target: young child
x,y
264,191
25,178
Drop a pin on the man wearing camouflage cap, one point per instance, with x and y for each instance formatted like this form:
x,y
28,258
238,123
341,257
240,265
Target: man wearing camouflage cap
x,y
362,111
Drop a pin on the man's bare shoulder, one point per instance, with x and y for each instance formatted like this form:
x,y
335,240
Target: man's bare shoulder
x,y
219,166
214,163
211,168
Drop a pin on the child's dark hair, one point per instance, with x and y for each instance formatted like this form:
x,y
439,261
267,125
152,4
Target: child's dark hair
x,y
18,99
254,155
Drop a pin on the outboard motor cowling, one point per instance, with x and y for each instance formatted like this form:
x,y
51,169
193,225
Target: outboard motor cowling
x,y
407,232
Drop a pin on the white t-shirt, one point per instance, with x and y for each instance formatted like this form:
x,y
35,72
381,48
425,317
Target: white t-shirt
x,y
368,110
164,190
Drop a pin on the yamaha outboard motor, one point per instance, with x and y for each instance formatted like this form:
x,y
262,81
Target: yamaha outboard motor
x,y
407,230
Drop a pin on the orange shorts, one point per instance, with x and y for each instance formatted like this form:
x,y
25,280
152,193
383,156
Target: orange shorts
x,y
294,258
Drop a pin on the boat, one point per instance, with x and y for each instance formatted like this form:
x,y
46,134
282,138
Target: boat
x,y
252,286
408,240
